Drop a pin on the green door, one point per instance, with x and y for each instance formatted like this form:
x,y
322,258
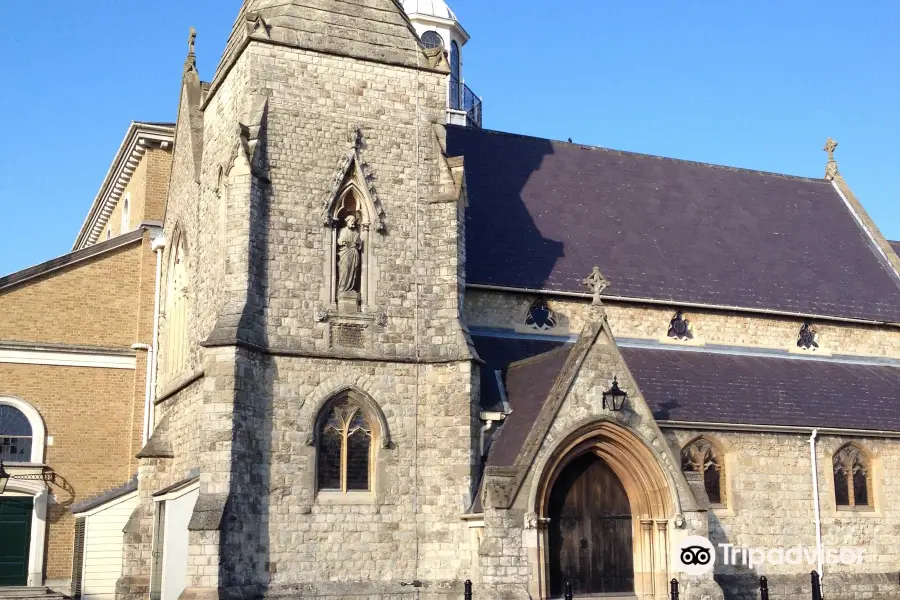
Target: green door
x,y
15,539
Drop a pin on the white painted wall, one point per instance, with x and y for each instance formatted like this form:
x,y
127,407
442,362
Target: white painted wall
x,y
175,544
103,545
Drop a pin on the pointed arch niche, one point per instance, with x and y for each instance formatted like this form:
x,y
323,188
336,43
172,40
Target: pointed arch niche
x,y
353,216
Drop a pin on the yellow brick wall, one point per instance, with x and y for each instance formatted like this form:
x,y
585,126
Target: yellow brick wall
x,y
87,411
146,193
91,303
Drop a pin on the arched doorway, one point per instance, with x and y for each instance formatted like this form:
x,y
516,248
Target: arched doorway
x,y
624,500
590,530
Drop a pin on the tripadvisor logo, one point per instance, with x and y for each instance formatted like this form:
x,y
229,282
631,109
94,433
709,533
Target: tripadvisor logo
x,y
695,555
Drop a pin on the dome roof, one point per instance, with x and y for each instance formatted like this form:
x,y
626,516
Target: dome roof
x,y
430,8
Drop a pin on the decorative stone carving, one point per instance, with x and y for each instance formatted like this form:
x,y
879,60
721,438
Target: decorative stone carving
x,y
531,520
808,338
320,314
680,328
349,246
597,283
831,169
351,166
540,316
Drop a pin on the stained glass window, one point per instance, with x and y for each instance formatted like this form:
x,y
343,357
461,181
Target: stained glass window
x,y
702,457
852,477
15,435
345,449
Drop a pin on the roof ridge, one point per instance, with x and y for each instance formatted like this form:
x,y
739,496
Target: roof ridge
x,y
646,155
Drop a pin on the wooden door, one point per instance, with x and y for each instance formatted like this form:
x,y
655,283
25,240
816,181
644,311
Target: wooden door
x,y
15,540
590,530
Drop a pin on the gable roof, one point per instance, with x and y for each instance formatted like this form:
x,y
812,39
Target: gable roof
x,y
67,260
542,213
694,386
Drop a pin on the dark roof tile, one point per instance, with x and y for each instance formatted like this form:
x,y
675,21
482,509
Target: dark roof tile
x,y
542,214
528,383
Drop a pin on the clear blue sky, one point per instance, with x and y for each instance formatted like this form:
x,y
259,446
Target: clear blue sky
x,y
752,84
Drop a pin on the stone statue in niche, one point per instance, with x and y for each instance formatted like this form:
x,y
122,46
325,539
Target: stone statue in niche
x,y
349,247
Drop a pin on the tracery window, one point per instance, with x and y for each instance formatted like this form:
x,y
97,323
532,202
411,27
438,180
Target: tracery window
x,y
345,448
540,316
176,309
701,456
16,435
852,478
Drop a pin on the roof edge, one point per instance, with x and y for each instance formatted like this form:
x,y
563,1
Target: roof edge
x,y
66,260
883,247
677,303
644,155
138,137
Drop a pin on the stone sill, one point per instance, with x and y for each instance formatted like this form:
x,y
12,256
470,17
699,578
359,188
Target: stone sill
x,y
326,498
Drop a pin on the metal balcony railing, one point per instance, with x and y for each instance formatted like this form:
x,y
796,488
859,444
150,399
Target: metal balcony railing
x,y
464,99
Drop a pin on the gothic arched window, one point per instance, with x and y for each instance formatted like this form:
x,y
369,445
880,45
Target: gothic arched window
x,y
16,435
176,308
345,448
701,456
852,478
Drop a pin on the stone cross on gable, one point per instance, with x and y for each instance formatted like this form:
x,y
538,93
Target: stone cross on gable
x,y
192,38
831,169
597,283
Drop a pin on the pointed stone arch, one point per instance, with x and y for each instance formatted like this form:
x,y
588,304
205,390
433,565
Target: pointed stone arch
x,y
361,397
352,193
650,489
702,454
353,173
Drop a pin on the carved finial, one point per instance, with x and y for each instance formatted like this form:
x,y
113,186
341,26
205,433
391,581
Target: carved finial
x,y
190,63
831,169
597,283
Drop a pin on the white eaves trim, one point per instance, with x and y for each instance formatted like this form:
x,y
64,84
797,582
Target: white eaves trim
x,y
140,136
106,505
66,359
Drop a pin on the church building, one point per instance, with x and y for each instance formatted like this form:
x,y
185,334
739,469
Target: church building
x,y
395,351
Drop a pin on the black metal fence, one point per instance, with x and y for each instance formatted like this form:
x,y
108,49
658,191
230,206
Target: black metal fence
x,y
464,99
815,585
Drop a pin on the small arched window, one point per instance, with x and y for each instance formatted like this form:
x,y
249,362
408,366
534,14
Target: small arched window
x,y
345,448
701,456
455,80
126,216
432,39
108,233
176,309
16,435
852,478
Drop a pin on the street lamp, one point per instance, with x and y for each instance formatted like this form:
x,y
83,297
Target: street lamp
x,y
614,398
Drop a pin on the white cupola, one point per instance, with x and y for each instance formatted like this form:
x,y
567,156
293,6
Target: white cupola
x,y
438,27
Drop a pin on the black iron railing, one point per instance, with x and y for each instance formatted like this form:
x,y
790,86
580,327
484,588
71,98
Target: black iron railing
x,y
464,99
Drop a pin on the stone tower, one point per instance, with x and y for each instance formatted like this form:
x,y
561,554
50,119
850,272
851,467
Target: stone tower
x,y
314,401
